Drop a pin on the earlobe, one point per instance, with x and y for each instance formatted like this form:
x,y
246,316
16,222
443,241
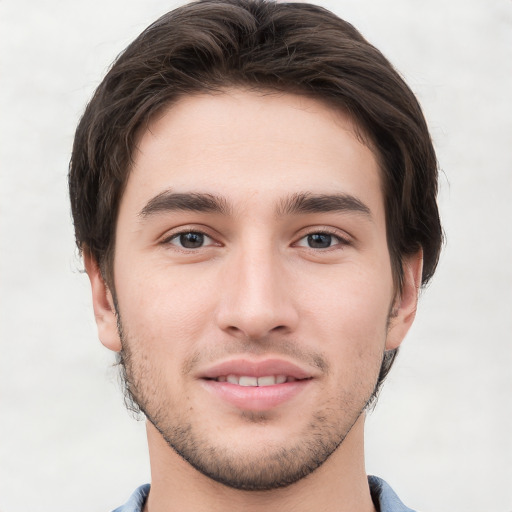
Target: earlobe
x,y
103,304
404,308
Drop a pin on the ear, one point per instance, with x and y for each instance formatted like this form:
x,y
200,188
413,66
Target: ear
x,y
103,304
404,308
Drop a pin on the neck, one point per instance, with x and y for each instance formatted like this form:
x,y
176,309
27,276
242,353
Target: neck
x,y
339,485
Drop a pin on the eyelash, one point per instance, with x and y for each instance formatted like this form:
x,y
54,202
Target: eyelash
x,y
176,236
341,241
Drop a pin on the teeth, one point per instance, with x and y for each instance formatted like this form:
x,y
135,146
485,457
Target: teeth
x,y
248,381
244,380
267,381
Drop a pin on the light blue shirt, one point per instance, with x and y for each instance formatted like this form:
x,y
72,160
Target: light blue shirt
x,y
383,496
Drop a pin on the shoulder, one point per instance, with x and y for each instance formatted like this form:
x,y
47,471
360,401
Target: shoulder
x,y
384,497
136,501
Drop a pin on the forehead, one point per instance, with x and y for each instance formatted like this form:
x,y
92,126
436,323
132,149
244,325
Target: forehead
x,y
248,143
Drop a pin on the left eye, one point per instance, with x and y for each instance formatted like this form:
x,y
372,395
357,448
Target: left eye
x,y
190,240
319,241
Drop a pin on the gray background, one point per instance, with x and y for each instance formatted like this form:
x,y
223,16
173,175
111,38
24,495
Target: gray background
x,y
441,433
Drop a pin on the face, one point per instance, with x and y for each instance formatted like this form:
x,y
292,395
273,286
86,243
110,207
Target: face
x,y
253,283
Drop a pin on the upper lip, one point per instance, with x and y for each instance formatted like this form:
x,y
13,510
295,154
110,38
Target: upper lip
x,y
247,367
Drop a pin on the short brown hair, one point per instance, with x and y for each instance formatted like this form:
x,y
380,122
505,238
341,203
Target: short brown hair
x,y
209,45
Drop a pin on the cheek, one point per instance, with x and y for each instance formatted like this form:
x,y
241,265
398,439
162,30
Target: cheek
x,y
163,307
352,315
361,300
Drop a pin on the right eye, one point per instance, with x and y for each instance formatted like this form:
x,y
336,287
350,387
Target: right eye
x,y
320,240
190,240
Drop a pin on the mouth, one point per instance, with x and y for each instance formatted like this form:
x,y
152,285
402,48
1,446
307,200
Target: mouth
x,y
256,385
251,381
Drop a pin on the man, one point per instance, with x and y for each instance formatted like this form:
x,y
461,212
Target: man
x,y
253,188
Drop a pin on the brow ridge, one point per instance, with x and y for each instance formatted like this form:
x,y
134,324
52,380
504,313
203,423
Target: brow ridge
x,y
299,203
306,202
168,201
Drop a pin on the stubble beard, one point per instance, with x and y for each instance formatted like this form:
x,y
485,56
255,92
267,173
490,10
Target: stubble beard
x,y
270,467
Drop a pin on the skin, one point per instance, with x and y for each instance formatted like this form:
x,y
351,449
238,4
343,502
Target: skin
x,y
258,286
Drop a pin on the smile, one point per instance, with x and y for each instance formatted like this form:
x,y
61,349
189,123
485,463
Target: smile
x,y
250,385
245,380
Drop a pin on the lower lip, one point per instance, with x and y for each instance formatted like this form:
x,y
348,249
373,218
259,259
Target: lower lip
x,y
256,398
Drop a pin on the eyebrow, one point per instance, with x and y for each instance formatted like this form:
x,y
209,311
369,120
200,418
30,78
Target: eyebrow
x,y
300,203
168,201
321,203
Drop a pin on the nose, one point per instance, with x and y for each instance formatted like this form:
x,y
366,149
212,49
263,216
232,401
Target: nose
x,y
256,296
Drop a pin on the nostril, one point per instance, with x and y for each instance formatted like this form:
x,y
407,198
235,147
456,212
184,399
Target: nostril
x,y
256,319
